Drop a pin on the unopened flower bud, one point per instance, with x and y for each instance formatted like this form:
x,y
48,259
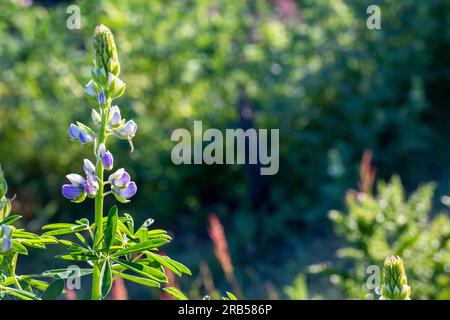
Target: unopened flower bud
x,y
102,100
3,184
105,50
106,157
89,168
395,284
99,76
91,90
96,117
115,119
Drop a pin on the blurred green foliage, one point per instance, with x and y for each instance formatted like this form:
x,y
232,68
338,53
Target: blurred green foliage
x,y
330,85
389,224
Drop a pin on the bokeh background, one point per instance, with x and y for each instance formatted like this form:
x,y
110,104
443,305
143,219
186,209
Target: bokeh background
x,y
310,68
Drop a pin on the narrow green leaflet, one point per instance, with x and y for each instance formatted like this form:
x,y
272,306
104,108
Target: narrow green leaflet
x,y
106,278
147,271
143,281
142,246
10,219
18,247
22,294
54,290
174,292
167,262
111,226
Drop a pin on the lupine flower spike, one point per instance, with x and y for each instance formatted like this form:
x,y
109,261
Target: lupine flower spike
x,y
107,246
395,284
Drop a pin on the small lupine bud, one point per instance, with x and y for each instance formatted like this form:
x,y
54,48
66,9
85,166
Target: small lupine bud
x,y
89,168
77,133
105,50
106,157
3,184
111,82
99,76
119,179
91,91
91,186
5,207
122,195
395,284
128,131
119,88
102,100
96,117
5,244
115,119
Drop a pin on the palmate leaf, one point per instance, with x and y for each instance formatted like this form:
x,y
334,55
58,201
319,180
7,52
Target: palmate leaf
x,y
174,292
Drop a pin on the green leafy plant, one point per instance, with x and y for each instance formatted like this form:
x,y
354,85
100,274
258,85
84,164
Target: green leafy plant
x,y
14,243
375,226
113,246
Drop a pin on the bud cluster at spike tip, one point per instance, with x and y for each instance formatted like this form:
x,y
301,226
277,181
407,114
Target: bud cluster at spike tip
x,y
395,284
105,50
104,86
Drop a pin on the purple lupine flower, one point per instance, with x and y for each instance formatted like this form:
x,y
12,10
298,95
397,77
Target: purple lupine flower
x,y
5,230
89,168
101,99
106,157
128,131
76,179
91,186
123,194
75,189
71,191
78,134
120,179
115,117
5,244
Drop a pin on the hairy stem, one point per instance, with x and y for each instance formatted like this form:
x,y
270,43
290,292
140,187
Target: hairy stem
x,y
96,291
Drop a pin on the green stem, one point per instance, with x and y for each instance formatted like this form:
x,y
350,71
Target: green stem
x,y
13,270
96,290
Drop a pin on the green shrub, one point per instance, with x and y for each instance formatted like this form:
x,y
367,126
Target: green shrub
x,y
376,226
